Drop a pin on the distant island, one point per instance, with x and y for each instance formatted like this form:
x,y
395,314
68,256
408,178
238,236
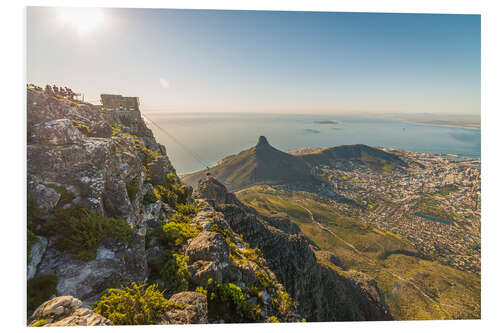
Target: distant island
x,y
310,130
323,122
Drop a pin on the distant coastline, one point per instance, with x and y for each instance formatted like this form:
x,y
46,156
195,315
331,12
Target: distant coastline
x,y
326,122
447,124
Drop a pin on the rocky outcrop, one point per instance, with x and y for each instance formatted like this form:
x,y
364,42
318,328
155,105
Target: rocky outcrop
x,y
211,189
66,311
323,294
190,308
111,165
76,155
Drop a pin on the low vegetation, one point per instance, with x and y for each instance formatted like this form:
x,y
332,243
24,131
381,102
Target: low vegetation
x,y
66,195
39,289
226,301
171,191
170,271
132,190
178,233
84,129
80,232
133,305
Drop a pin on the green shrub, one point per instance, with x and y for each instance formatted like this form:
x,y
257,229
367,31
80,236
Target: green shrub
x,y
178,233
273,319
80,232
180,218
201,290
84,129
187,209
132,190
171,191
39,323
226,301
134,305
171,272
149,198
285,302
33,211
40,288
264,280
164,194
66,195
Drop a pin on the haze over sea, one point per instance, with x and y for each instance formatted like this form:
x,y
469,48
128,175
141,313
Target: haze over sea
x,y
214,136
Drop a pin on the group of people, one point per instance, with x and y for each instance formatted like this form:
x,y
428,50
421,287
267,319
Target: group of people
x,y
64,92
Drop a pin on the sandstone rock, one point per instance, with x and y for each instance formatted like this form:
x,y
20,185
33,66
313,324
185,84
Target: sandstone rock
x,y
188,190
208,246
45,196
159,169
116,263
37,251
203,271
211,189
97,169
152,211
191,309
101,130
56,132
66,311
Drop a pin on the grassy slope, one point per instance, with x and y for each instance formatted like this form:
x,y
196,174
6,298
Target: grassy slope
x,y
257,165
375,159
445,284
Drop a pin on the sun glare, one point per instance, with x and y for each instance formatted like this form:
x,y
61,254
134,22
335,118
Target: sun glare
x,y
82,19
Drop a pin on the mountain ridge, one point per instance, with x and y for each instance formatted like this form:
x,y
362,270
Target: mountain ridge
x,y
264,164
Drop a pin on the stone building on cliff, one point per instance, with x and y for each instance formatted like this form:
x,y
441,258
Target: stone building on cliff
x,y
119,103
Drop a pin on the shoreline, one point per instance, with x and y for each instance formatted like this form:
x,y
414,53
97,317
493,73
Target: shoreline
x,y
474,127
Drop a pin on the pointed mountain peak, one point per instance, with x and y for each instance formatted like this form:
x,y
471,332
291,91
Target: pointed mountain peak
x,y
262,142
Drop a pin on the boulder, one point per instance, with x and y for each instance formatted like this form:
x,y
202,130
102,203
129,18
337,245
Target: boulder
x,y
66,311
208,246
55,132
189,308
211,189
46,197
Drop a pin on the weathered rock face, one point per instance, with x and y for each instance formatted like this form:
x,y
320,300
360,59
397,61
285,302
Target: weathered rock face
x,y
36,255
74,147
66,311
191,308
56,132
323,294
209,188
158,169
116,263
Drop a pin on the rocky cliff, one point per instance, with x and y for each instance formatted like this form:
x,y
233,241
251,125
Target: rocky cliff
x,y
323,292
106,210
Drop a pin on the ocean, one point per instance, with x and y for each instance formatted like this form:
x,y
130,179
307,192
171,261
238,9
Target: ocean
x,y
214,136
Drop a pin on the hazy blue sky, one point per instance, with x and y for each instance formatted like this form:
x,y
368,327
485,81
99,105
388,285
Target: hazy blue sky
x,y
186,60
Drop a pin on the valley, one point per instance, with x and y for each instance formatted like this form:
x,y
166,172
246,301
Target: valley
x,y
415,287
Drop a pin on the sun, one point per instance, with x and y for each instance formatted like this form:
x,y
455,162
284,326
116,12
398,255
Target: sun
x,y
83,20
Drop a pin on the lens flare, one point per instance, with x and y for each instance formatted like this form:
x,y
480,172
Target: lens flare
x,y
83,20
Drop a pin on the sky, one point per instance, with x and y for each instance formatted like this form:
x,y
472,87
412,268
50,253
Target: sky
x,y
261,61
